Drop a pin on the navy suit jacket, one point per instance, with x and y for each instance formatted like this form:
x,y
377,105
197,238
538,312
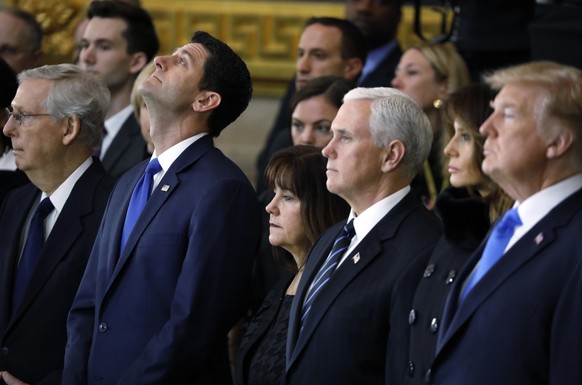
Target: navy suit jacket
x,y
345,335
127,149
382,75
522,323
159,312
33,336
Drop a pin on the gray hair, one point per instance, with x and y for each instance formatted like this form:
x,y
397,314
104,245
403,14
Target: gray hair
x,y
396,116
74,92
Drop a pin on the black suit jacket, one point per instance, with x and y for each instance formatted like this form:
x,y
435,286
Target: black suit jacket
x,y
33,336
345,336
127,149
257,328
521,323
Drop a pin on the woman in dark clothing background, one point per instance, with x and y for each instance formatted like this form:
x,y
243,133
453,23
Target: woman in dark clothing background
x,y
466,209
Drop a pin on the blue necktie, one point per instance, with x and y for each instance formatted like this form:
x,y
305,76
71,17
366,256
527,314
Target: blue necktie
x,y
31,251
139,197
338,249
495,246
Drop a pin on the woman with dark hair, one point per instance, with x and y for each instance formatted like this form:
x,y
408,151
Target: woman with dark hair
x,y
10,176
300,211
313,108
467,208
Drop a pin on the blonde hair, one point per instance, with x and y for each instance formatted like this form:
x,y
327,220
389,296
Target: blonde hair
x,y
136,98
446,62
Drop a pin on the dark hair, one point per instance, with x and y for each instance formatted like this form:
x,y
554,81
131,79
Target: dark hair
x,y
353,41
9,84
333,88
227,74
140,32
301,170
34,28
471,106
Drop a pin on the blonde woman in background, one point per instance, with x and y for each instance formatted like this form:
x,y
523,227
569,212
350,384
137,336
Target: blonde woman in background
x,y
140,110
429,72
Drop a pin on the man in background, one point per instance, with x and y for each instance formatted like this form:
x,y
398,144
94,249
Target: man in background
x,y
20,39
328,46
120,39
378,20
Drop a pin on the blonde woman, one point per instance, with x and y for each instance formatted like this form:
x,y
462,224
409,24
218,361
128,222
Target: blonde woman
x,y
428,73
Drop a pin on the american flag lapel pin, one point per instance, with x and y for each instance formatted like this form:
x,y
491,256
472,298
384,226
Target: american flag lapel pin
x,y
356,258
539,238
165,188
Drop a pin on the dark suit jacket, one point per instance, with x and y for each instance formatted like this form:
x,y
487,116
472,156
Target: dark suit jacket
x,y
9,180
344,338
383,74
257,328
33,336
159,312
127,149
521,324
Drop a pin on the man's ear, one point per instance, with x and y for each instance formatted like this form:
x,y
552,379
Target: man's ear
x,y
138,61
353,68
393,155
206,101
561,144
71,130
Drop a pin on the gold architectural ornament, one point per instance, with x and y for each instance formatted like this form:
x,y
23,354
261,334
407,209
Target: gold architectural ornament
x,y
58,19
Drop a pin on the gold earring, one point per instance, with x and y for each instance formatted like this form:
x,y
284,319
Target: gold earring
x,y
437,103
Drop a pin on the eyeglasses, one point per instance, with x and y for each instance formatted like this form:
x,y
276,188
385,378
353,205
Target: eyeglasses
x,y
19,117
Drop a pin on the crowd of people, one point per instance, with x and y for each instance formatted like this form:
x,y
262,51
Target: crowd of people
x,y
416,218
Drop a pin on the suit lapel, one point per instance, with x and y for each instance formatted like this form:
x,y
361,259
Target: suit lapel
x,y
16,212
67,229
532,243
366,251
167,186
123,140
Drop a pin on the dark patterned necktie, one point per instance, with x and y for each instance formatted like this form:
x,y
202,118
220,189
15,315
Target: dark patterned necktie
x,y
339,247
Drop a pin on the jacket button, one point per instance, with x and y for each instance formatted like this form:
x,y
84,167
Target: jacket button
x,y
429,270
434,325
4,351
412,317
450,277
410,368
428,376
103,327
